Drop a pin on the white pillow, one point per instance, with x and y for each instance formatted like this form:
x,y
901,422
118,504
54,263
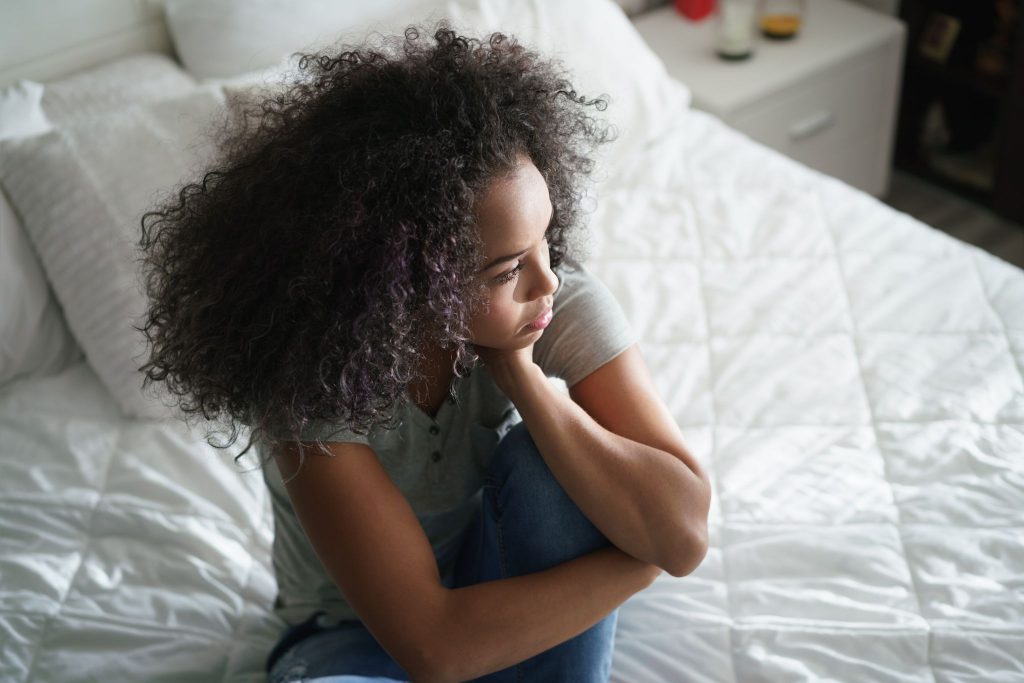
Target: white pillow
x,y
229,38
81,197
122,82
594,39
34,339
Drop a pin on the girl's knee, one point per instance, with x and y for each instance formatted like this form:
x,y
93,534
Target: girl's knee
x,y
537,515
518,453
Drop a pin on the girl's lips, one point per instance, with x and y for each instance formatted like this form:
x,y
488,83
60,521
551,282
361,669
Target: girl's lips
x,y
543,321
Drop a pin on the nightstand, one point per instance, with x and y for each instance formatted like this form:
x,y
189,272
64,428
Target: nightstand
x,y
827,98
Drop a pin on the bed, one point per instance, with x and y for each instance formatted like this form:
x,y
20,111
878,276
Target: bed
x,y
852,379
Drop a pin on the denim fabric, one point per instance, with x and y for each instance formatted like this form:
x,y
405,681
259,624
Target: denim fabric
x,y
527,524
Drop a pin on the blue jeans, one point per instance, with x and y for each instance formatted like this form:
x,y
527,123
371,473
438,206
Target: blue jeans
x,y
527,524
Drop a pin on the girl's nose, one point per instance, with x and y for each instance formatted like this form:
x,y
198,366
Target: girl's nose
x,y
545,284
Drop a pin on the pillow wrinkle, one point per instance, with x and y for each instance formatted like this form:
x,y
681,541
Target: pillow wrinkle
x,y
34,338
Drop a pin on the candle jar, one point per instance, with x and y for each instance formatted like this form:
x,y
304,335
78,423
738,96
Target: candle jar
x,y
781,19
735,30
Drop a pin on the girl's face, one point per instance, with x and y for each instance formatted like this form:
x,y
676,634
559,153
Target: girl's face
x,y
512,219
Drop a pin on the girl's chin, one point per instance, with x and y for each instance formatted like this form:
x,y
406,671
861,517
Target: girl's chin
x,y
520,339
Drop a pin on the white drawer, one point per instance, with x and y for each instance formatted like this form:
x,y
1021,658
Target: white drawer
x,y
839,101
839,122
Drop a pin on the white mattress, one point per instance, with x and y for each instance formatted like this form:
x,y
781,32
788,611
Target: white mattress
x,y
852,379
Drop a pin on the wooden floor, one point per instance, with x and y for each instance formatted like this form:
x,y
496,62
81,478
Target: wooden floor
x,y
956,216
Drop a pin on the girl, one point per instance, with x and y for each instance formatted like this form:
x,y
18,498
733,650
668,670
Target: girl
x,y
376,280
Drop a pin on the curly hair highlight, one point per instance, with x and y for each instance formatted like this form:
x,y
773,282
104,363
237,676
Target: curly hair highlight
x,y
334,242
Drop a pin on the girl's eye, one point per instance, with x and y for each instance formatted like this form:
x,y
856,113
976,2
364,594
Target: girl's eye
x,y
514,273
510,275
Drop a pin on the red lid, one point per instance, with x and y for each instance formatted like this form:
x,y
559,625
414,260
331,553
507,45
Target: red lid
x,y
695,10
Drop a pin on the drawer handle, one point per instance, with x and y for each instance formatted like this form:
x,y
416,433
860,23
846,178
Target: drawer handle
x,y
811,125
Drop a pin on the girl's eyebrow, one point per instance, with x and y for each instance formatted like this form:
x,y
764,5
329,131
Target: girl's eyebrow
x,y
502,259
512,257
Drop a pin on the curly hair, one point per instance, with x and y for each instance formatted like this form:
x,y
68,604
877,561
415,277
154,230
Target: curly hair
x,y
333,242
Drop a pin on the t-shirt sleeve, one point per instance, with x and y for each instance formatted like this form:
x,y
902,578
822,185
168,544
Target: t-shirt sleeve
x,y
588,327
324,431
316,432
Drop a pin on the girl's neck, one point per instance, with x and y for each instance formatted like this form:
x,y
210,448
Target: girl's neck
x,y
430,392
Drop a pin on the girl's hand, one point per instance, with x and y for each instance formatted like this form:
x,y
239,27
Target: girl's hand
x,y
506,367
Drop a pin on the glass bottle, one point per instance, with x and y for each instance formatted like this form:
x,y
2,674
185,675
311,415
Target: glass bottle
x,y
735,29
781,19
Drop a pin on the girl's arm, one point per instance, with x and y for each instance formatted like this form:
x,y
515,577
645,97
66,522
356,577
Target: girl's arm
x,y
497,624
373,547
615,449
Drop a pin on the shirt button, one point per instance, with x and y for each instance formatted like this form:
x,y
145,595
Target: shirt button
x,y
435,456
434,429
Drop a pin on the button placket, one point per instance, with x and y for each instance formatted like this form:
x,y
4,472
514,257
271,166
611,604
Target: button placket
x,y
434,431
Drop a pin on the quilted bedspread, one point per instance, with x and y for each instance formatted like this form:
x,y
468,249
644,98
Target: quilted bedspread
x,y
851,378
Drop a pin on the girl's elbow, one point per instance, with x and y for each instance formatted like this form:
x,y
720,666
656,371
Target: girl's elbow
x,y
689,553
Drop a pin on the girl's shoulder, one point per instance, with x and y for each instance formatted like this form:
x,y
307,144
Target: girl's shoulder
x,y
588,327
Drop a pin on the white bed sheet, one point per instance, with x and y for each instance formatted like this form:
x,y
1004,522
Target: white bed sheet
x,y
851,377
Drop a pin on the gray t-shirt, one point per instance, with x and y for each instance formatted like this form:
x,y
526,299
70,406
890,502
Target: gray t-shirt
x,y
438,463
